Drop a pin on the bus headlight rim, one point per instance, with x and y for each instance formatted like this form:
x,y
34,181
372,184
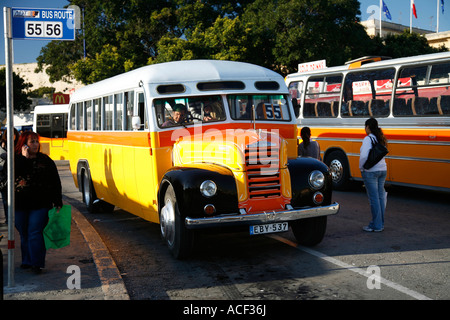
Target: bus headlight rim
x,y
208,188
316,179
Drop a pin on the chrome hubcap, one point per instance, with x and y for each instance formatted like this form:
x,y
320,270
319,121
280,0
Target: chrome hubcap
x,y
336,169
167,222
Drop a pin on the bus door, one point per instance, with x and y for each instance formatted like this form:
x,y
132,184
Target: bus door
x,y
144,157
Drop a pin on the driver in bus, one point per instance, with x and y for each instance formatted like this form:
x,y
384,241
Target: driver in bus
x,y
179,112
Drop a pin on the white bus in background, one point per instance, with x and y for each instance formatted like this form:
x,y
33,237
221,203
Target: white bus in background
x,y
50,122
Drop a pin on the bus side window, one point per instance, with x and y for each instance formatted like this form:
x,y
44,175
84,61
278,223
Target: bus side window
x,y
118,112
108,103
128,112
401,108
444,104
141,111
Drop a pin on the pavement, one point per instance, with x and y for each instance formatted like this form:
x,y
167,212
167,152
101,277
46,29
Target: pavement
x,y
83,270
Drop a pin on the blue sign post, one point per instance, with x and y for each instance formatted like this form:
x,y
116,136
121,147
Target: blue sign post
x,y
27,24
43,24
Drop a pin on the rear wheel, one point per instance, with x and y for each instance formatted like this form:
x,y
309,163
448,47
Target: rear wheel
x,y
88,192
311,231
178,239
340,172
90,198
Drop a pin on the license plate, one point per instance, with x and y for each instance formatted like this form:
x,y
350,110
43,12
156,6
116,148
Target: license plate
x,y
269,228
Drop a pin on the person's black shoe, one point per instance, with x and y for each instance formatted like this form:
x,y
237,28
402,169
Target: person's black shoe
x,y
36,270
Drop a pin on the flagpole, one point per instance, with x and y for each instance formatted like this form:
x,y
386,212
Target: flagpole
x,y
381,9
437,14
410,16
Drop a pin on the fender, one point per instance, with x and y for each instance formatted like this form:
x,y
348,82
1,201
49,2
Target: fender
x,y
302,193
186,181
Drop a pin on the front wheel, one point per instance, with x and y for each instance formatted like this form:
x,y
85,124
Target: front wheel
x,y
178,239
311,231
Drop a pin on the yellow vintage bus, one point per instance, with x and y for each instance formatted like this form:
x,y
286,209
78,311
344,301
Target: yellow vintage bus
x,y
194,145
50,122
410,98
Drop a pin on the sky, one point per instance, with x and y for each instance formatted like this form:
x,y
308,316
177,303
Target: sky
x,y
26,51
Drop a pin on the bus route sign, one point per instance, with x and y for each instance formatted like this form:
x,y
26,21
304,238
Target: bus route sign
x,y
43,24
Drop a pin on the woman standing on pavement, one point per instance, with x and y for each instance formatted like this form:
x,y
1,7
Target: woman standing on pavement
x,y
374,177
37,190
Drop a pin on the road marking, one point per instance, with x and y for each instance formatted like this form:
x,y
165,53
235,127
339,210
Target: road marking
x,y
393,285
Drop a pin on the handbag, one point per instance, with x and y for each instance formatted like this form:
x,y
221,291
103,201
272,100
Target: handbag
x,y
57,231
377,153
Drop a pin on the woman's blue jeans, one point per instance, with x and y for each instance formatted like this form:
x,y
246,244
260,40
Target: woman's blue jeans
x,y
374,182
31,224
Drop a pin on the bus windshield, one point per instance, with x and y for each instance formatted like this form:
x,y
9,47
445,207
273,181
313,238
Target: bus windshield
x,y
266,107
183,111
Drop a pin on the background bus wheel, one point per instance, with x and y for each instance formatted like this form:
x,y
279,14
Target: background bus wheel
x,y
311,231
177,237
340,172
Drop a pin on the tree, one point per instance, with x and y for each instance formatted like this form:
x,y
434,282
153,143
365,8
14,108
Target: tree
x,y
291,31
405,45
21,101
278,34
226,39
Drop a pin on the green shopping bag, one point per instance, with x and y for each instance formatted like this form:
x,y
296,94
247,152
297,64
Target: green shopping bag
x,y
57,231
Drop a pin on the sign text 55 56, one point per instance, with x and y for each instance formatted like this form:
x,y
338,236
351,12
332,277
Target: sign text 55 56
x,y
44,29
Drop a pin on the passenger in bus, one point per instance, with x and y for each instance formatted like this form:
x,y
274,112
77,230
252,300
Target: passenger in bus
x,y
375,177
37,190
179,116
4,170
308,148
213,112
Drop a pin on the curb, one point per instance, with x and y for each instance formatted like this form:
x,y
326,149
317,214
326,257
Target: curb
x,y
113,286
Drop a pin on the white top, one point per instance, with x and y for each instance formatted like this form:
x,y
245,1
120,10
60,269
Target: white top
x,y
364,153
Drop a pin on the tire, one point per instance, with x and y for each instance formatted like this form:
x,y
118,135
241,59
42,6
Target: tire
x,y
340,172
179,240
88,191
90,198
311,231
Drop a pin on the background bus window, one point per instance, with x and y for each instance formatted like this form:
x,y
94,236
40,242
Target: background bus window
x,y
43,125
423,91
107,101
118,111
322,97
367,93
58,125
296,89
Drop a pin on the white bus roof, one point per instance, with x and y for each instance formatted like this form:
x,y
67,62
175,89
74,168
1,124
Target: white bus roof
x,y
398,61
181,72
51,108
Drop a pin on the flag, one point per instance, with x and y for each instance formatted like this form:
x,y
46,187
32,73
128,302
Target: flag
x,y
442,6
413,8
386,11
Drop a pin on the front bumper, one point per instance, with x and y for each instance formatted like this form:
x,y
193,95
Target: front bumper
x,y
261,218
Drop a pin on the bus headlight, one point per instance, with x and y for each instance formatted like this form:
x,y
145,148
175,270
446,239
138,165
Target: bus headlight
x,y
208,188
316,179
